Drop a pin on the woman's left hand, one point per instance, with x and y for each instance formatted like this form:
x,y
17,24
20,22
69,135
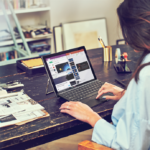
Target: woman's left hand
x,y
81,112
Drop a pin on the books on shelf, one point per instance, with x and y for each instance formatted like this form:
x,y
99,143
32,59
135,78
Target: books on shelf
x,y
36,31
39,47
21,4
8,55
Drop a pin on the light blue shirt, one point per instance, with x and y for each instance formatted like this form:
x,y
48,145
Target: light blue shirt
x,y
131,117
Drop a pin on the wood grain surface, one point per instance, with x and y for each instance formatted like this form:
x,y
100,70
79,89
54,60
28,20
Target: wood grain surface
x,y
89,145
57,125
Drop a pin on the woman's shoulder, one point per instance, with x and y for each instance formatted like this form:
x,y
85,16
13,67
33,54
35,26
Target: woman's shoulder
x,y
146,59
146,70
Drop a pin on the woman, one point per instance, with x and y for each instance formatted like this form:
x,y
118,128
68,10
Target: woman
x,y
131,114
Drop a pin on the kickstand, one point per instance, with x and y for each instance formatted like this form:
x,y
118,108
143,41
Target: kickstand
x,y
48,83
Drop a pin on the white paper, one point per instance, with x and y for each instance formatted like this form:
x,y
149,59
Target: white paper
x,y
9,123
22,107
24,116
2,91
7,95
38,113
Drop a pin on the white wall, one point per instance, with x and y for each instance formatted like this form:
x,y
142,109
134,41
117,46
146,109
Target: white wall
x,y
75,10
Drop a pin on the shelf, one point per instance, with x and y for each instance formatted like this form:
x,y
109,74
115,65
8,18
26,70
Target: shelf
x,y
40,54
5,43
12,61
29,10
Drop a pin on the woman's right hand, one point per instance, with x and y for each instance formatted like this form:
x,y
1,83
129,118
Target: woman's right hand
x,y
107,87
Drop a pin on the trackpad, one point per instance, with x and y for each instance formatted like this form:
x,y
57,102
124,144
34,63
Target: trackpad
x,y
92,101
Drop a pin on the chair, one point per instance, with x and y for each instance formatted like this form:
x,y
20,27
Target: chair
x,y
89,145
122,41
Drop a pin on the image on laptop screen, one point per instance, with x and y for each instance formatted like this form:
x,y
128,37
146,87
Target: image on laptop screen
x,y
70,69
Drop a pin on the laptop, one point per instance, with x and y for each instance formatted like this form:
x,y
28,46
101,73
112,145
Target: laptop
x,y
72,76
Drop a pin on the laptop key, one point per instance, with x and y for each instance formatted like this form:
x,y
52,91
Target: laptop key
x,y
83,92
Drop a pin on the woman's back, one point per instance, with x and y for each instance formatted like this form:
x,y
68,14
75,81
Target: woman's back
x,y
131,115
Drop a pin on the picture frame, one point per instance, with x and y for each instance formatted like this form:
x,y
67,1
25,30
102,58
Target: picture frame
x,y
84,33
58,38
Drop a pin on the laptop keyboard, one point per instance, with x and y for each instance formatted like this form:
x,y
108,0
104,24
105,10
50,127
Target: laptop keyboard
x,y
83,91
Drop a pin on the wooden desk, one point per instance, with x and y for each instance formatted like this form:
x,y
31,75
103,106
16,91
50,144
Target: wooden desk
x,y
58,125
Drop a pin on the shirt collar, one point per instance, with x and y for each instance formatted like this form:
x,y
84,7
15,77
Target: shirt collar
x,y
146,59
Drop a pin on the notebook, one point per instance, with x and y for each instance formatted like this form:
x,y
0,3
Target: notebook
x,y
72,76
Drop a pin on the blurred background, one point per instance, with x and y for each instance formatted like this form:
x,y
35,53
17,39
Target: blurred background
x,y
78,10
38,20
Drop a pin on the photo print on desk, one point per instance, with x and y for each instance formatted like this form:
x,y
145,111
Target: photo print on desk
x,y
19,110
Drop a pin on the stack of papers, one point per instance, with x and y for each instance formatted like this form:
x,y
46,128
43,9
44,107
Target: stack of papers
x,y
6,35
19,109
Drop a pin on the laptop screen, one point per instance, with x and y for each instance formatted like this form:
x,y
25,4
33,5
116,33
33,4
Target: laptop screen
x,y
69,69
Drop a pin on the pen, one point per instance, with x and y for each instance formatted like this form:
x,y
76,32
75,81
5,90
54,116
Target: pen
x,y
101,42
120,82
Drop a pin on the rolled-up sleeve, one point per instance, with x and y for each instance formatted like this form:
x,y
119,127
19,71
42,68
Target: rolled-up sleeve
x,y
119,137
101,131
131,118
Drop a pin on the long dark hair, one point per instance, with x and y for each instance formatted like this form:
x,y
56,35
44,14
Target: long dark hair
x,y
134,17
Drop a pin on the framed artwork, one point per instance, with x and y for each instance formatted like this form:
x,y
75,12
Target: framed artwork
x,y
84,33
58,38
